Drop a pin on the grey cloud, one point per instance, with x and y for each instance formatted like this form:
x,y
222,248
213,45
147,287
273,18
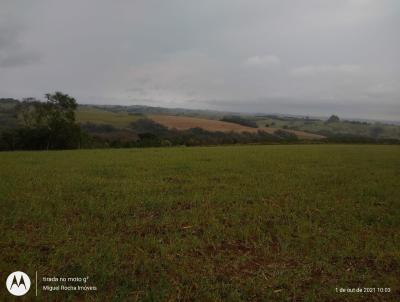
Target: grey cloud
x,y
262,61
311,56
311,107
13,52
318,70
9,59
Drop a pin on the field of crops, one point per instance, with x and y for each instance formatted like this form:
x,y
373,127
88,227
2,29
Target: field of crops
x,y
242,223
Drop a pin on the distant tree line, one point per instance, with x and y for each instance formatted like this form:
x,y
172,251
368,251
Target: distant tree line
x,y
51,125
239,120
332,137
287,118
145,132
151,134
332,119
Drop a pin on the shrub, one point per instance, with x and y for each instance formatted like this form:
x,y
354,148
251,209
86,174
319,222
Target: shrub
x,y
239,120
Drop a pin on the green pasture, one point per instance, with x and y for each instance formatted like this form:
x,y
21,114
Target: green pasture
x,y
242,223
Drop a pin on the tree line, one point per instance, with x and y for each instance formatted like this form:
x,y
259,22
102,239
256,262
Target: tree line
x,y
44,125
52,125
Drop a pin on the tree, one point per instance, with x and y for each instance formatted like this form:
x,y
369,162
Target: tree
x,y
333,119
50,124
285,135
61,107
239,120
376,131
60,117
30,112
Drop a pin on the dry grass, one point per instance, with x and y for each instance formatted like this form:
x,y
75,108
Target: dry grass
x,y
184,123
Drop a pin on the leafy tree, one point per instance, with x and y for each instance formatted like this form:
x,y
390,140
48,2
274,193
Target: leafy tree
x,y
61,107
285,135
50,124
30,112
333,119
239,120
376,131
59,113
146,125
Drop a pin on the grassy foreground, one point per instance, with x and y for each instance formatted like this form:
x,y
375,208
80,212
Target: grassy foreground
x,y
248,223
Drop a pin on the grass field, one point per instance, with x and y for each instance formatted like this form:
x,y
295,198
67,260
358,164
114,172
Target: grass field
x,y
243,223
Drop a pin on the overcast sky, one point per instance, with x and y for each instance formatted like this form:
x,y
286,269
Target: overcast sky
x,y
313,57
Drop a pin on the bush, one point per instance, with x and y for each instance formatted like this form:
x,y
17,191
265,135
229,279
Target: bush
x,y
285,135
97,128
332,119
239,120
146,125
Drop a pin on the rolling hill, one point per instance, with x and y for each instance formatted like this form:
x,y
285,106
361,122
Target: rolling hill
x,y
184,123
121,118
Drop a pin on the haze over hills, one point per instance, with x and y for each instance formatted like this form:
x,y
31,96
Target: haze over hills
x,y
121,117
314,125
219,113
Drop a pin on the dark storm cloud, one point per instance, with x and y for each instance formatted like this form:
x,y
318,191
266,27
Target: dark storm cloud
x,y
310,57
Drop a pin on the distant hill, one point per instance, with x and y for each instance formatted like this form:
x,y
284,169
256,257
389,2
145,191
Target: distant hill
x,y
341,127
121,117
148,110
97,115
184,123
